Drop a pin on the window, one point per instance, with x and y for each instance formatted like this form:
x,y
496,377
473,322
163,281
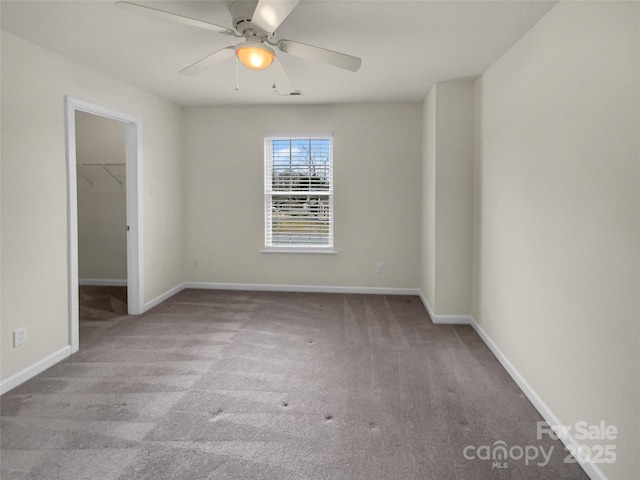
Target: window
x,y
299,192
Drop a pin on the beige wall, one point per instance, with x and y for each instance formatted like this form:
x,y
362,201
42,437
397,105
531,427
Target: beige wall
x,y
377,195
448,197
102,205
428,260
34,189
557,226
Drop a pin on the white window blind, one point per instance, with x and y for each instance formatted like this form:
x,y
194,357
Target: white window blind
x,y
299,192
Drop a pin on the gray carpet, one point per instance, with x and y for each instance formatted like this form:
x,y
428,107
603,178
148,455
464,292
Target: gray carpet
x,y
273,386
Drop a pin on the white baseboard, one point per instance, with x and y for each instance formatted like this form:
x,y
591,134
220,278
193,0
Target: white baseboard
x,y
452,319
262,287
106,282
164,296
14,380
590,468
444,319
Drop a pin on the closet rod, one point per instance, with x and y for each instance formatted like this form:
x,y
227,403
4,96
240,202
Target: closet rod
x,y
98,164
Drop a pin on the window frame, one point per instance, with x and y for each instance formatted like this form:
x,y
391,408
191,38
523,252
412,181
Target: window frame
x,y
270,193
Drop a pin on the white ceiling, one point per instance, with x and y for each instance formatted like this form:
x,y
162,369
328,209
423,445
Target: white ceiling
x,y
405,46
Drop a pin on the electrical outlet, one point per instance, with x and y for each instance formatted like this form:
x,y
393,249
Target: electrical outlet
x,y
19,336
378,268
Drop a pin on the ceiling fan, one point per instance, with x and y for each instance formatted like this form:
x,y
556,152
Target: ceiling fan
x,y
257,23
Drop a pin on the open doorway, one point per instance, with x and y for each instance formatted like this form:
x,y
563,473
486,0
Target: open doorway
x,y
104,214
102,222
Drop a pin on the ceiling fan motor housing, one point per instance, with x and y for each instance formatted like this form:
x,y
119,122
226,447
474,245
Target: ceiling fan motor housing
x,y
241,14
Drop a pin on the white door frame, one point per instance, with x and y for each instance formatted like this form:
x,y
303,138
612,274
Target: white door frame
x,y
133,159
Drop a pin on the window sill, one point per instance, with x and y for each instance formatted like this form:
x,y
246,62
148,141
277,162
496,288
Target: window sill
x,y
326,251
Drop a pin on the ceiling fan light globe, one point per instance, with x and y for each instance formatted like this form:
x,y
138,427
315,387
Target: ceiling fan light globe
x,y
255,56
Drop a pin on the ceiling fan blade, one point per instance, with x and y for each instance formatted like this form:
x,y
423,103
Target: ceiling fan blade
x,y
154,12
318,54
282,84
208,61
269,14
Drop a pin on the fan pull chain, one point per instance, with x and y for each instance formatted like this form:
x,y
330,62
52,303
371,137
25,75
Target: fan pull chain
x,y
237,83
